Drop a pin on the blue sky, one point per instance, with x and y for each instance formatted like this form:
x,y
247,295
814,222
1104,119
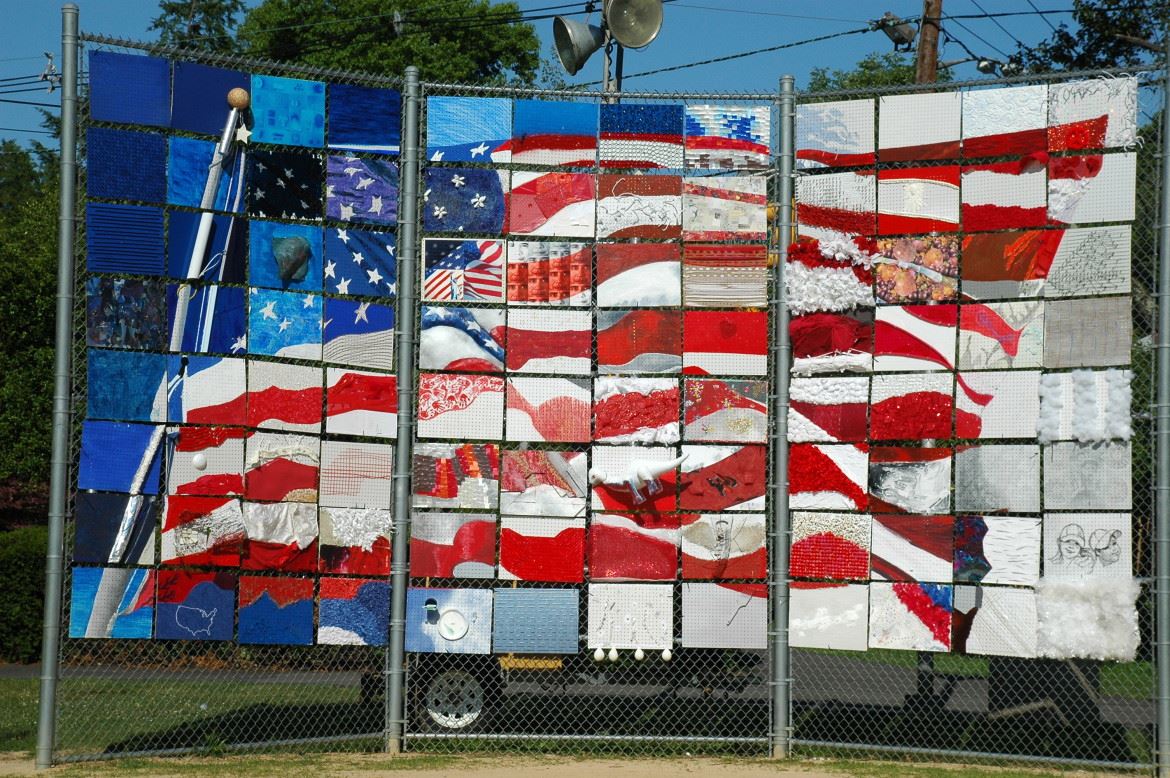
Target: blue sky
x,y
692,30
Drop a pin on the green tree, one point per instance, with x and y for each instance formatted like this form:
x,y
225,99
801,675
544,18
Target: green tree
x,y
200,24
1105,33
469,41
872,71
28,239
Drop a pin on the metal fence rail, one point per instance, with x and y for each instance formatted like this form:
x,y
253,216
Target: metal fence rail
x,y
119,697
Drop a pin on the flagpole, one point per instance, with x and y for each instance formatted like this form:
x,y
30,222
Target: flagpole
x,y
63,345
239,100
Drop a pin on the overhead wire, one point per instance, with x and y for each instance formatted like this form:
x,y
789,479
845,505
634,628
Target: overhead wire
x,y
999,24
1042,16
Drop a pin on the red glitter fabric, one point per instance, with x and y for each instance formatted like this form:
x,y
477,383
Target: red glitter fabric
x,y
825,555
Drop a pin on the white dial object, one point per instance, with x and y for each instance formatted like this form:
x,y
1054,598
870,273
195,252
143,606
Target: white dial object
x,y
199,461
452,625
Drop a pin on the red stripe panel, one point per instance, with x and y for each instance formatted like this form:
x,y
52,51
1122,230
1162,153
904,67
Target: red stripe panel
x,y
363,392
526,345
533,203
1002,217
947,149
728,332
1020,142
853,222
619,552
640,332
825,555
475,541
833,159
913,416
753,565
625,413
294,406
559,559
616,258
730,481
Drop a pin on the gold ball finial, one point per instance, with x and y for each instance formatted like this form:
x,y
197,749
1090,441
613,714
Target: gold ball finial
x,y
239,99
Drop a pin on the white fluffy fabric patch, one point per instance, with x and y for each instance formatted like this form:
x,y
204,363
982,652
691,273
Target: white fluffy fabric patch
x,y
841,362
812,289
1087,406
1091,619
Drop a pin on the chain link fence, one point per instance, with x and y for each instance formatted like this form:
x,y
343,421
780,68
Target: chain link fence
x,y
580,691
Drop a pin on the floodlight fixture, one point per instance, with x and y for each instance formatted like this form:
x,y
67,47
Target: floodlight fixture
x,y
900,32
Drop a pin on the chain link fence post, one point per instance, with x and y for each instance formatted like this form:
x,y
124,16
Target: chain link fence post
x,y
63,346
403,455
781,704
1162,464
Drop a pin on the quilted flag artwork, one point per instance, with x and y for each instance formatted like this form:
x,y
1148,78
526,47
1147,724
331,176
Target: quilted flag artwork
x,y
276,611
837,133
456,475
354,612
543,483
998,122
550,273
561,134
469,129
453,545
542,549
543,341
471,270
633,546
918,199
361,190
830,546
112,602
723,546
641,136
355,541
358,334
195,606
360,262
464,200
561,204
724,411
733,137
204,531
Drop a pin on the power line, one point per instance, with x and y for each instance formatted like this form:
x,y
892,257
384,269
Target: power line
x,y
741,54
1042,16
26,102
770,13
999,24
981,39
7,91
17,129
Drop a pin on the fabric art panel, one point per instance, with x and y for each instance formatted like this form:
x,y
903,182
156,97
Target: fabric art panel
x,y
641,136
469,129
111,602
364,118
280,536
918,200
833,546
724,208
831,410
288,111
550,273
449,621
915,337
635,410
831,343
634,478
1085,406
997,404
467,406
1088,476
723,615
997,478
630,616
124,239
1091,189
119,457
361,190
198,96
552,204
122,313
279,466
718,546
471,270
543,483
639,206
98,521
281,185
923,269
723,478
115,75
362,403
1001,335
456,475
284,324
910,480
838,133
548,409
356,475
724,275
633,546
359,334
204,390
725,411
354,612
195,606
832,206
997,549
1090,619
1088,333
276,611
467,339
355,541
126,165
126,385
360,262
284,397
542,549
453,545
1004,195
731,137
203,531
470,200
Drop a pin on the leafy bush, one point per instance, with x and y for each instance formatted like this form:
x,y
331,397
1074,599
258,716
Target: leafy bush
x,y
22,558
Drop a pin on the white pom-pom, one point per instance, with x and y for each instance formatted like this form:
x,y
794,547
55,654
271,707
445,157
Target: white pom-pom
x,y
613,655
666,655
199,461
639,654
599,655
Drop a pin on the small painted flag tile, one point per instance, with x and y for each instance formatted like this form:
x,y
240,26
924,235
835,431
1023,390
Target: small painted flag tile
x,y
918,200
285,256
456,475
276,611
464,200
284,324
288,111
910,480
355,541
554,133
463,270
828,409
996,621
187,166
202,531
195,606
725,343
111,602
1001,335
548,409
453,545
280,466
219,452
460,406
122,313
542,549
360,262
912,548
641,341
207,390
353,612
639,206
1004,195
643,274
725,615
98,520
284,185
836,205
730,137
997,549
359,334
364,118
1011,120
634,478
994,479
837,133
469,129
199,92
722,546
226,254
641,136
911,406
356,475
833,546
124,239
129,89
552,204
1096,114
280,536
828,477
832,342
630,616
725,411
454,338
724,208
923,269
126,385
361,190
543,483
1091,189
915,337
997,404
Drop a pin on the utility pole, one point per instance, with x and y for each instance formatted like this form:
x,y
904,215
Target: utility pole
x,y
926,64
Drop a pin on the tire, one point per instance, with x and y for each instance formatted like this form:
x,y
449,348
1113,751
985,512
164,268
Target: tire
x,y
454,700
